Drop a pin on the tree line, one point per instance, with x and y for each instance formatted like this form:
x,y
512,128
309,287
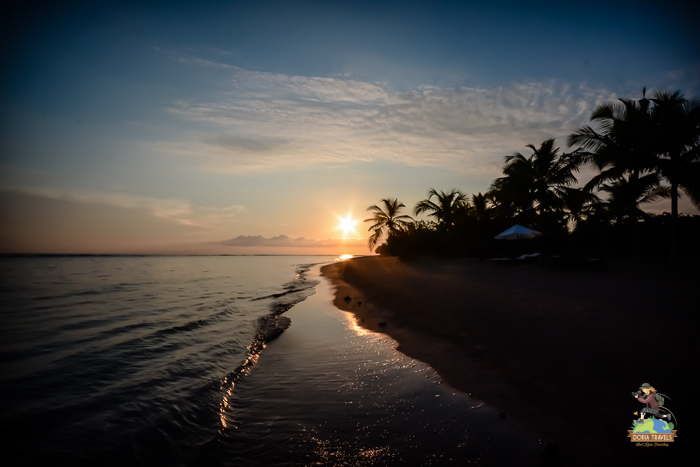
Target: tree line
x,y
642,151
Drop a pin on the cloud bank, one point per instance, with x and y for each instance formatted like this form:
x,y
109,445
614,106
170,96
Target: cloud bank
x,y
170,210
266,121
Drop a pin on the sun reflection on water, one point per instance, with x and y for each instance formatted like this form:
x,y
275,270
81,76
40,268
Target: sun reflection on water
x,y
337,452
224,405
228,383
343,257
353,325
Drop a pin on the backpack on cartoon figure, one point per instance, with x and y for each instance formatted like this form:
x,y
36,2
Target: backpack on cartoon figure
x,y
659,399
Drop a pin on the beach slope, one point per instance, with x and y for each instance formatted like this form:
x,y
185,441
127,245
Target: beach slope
x,y
558,351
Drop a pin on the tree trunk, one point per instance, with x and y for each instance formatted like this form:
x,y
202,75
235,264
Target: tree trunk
x,y
635,224
674,207
674,221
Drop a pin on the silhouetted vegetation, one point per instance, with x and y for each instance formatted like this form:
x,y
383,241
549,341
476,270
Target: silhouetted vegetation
x,y
643,151
387,221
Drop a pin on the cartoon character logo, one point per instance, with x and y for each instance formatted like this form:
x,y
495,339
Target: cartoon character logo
x,y
654,403
657,426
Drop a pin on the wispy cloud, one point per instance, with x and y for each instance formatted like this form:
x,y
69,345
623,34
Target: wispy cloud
x,y
265,121
173,210
234,208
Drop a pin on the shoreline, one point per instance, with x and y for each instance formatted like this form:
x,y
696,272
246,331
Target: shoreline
x,y
532,343
328,393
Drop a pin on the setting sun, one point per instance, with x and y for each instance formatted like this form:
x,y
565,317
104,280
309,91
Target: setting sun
x,y
347,225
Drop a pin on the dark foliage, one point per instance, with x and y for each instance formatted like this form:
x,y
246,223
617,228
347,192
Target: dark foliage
x,y
644,151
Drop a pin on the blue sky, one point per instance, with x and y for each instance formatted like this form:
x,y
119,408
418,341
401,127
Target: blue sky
x,y
178,127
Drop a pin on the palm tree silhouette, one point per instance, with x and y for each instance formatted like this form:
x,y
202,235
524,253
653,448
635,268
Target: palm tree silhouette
x,y
636,145
627,193
623,147
387,220
535,185
677,121
580,205
444,208
480,207
622,143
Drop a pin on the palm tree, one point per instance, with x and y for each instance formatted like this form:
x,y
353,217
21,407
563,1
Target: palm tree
x,y
535,185
444,208
622,144
387,220
580,206
636,145
480,207
622,133
677,121
627,193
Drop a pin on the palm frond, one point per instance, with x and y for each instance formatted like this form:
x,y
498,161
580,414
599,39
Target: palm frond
x,y
387,220
426,206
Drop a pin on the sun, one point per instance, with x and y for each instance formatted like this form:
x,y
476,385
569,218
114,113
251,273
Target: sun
x,y
347,225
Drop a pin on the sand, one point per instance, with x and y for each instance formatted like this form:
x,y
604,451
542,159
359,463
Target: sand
x,y
558,351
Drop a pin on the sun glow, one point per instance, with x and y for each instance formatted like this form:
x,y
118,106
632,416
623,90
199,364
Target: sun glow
x,y
347,225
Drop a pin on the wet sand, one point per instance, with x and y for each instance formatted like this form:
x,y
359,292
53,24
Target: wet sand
x,y
559,351
327,392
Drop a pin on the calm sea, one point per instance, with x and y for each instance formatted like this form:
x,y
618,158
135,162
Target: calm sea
x,y
166,361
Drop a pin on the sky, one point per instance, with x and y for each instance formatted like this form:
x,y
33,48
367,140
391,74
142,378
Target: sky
x,y
255,127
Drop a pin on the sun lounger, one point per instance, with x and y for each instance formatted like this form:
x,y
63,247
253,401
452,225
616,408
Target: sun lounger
x,y
522,259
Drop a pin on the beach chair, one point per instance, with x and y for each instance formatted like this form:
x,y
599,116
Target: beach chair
x,y
531,258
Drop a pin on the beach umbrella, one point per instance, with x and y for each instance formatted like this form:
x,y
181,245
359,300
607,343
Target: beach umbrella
x,y
518,232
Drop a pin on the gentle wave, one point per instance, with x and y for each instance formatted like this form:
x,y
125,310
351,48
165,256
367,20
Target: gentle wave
x,y
105,356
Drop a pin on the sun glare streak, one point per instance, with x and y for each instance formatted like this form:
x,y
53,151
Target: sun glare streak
x,y
347,225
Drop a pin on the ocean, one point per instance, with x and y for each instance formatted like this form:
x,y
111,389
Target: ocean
x,y
218,360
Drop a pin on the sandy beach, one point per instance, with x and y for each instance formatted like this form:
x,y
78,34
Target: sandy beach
x,y
559,351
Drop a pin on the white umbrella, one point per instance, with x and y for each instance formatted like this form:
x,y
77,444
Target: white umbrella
x,y
517,232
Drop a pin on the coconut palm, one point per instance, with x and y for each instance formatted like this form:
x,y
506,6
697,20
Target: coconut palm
x,y
638,144
677,122
580,206
387,220
621,143
480,207
627,193
444,208
535,185
623,146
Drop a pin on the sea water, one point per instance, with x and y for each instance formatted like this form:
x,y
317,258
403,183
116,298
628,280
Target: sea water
x,y
167,361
